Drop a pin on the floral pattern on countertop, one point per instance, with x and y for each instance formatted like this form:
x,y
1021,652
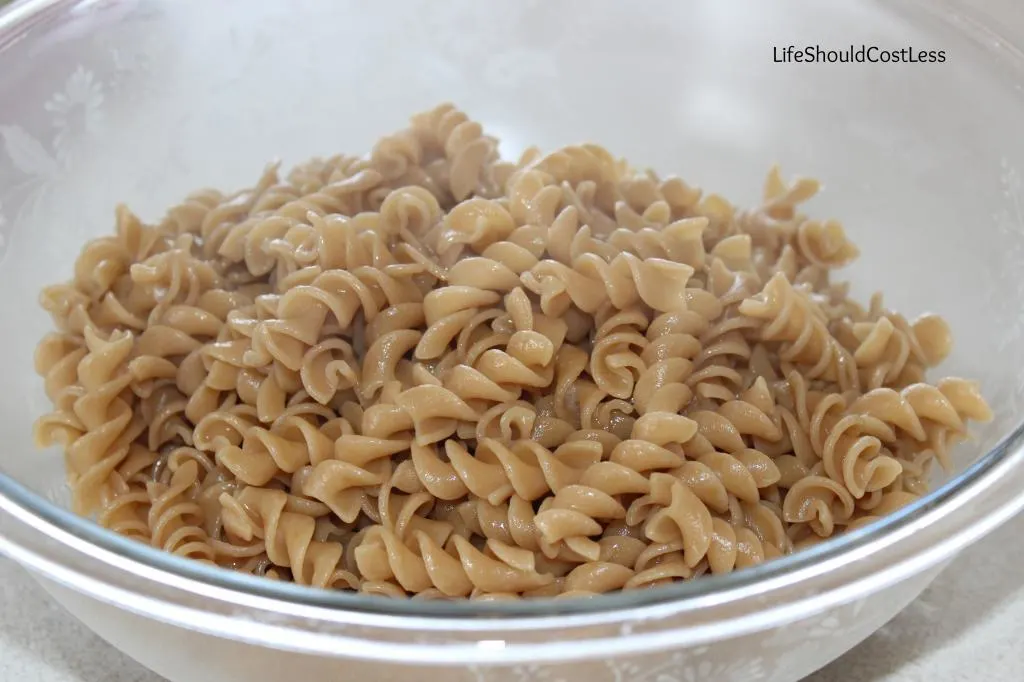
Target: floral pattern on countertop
x,y
76,117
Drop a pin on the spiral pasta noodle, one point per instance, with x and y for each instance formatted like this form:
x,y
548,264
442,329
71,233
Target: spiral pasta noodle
x,y
429,372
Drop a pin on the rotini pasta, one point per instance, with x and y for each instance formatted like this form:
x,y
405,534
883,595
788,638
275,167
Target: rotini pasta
x,y
432,373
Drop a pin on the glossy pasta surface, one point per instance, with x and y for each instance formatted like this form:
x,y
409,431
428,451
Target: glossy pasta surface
x,y
430,372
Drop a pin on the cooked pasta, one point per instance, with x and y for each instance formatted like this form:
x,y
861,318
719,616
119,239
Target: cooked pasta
x,y
429,372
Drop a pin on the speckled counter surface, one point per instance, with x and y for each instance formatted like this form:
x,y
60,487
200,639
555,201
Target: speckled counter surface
x,y
969,626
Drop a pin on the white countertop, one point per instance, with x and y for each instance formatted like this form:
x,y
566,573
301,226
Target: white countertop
x,y
968,626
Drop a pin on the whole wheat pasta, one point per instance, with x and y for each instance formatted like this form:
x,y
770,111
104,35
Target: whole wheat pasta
x,y
430,372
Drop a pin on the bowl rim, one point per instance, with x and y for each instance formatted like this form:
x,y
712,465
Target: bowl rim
x,y
84,556
90,559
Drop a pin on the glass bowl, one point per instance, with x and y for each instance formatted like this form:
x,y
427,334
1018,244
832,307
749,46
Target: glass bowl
x,y
146,100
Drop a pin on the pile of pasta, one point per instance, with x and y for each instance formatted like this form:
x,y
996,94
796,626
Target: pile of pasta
x,y
431,372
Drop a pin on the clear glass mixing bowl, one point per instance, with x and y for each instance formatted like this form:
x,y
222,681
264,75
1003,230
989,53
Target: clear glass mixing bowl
x,y
146,100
